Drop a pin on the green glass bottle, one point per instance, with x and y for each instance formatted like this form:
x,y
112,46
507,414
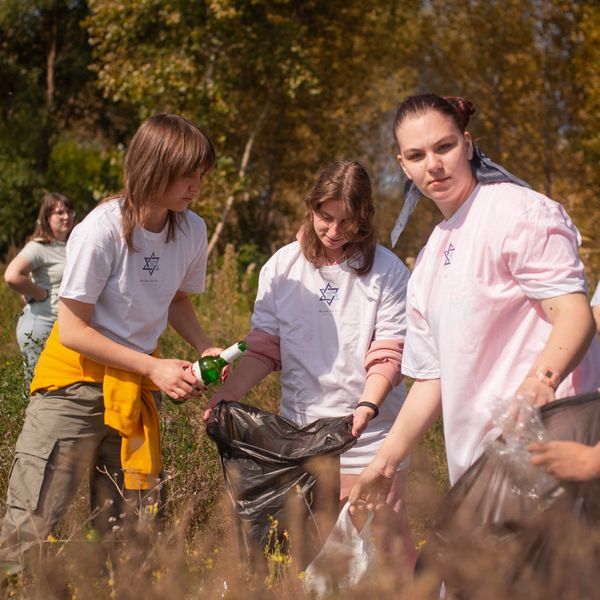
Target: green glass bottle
x,y
209,368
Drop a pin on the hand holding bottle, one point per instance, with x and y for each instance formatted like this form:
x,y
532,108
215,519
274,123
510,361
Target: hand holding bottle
x,y
172,378
212,366
213,351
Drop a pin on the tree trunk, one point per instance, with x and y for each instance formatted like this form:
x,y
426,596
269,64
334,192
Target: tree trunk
x,y
51,63
241,173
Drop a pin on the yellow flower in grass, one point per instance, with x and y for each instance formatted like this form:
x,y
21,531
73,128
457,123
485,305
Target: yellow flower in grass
x,y
51,539
152,508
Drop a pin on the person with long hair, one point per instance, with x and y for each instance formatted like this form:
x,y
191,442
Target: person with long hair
x,y
36,273
329,314
131,264
497,301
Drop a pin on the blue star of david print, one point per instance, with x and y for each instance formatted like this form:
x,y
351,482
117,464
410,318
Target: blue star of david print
x,y
328,294
151,263
448,253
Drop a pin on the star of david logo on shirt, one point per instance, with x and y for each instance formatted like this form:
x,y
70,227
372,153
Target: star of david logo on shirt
x,y
448,254
328,294
151,263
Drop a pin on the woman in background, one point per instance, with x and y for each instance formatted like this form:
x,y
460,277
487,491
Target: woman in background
x,y
36,273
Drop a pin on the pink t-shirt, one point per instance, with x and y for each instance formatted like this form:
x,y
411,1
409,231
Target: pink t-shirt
x,y
473,308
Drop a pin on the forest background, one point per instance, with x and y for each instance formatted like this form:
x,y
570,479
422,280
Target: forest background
x,y
283,87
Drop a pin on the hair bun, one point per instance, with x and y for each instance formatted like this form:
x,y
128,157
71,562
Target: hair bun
x,y
463,107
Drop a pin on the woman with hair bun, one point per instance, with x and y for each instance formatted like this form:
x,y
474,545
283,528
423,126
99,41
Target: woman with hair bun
x,y
36,273
496,303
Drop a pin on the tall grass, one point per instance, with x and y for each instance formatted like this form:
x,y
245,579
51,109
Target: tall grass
x,y
192,552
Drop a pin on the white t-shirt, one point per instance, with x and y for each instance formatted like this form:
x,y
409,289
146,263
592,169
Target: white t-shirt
x,y
473,307
132,291
326,319
48,262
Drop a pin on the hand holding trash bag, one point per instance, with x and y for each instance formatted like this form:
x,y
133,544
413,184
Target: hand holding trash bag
x,y
304,325
569,461
529,528
277,471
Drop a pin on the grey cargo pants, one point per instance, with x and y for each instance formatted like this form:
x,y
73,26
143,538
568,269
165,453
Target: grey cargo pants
x,y
63,435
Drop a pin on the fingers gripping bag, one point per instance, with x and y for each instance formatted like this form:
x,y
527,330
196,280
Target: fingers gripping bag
x,y
283,480
509,523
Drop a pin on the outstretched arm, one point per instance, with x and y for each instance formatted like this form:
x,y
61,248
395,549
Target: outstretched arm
x,y
377,387
420,409
572,331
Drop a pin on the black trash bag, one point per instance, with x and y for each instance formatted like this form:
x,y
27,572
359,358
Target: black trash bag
x,y
491,528
277,471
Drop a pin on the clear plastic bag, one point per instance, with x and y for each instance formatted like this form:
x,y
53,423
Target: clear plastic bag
x,y
344,559
511,518
521,424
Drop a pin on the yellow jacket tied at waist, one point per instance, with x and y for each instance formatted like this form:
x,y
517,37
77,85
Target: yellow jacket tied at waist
x,y
129,406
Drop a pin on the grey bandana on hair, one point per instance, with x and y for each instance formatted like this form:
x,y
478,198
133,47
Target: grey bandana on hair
x,y
485,171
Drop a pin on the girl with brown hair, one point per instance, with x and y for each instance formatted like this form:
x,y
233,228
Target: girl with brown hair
x,y
329,314
131,264
36,272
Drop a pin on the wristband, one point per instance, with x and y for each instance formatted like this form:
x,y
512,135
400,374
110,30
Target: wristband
x,y
547,376
370,405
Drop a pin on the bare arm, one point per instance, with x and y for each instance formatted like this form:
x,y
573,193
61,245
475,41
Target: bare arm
x,y
377,387
183,319
572,331
247,373
18,278
421,407
75,332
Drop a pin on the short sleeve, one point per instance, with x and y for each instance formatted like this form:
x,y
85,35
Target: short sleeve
x,y
90,257
541,251
391,312
421,357
264,316
33,252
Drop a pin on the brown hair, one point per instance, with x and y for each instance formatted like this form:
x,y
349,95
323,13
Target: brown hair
x,y
457,108
349,182
43,232
164,148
